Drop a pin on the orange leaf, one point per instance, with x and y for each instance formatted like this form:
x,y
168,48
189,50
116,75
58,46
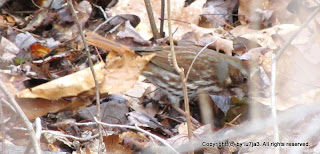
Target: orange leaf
x,y
38,50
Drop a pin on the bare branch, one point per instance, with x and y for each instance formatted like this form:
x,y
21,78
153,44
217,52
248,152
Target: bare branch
x,y
12,101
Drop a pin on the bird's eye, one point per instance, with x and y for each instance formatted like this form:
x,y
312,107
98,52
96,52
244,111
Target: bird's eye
x,y
244,80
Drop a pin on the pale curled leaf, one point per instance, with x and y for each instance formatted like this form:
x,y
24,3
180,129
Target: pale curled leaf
x,y
183,15
70,85
122,73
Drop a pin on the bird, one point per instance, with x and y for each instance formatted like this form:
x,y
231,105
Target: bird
x,y
212,72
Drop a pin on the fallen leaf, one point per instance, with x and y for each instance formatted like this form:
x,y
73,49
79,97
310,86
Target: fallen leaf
x,y
70,85
38,50
123,67
123,72
34,108
183,16
113,145
8,50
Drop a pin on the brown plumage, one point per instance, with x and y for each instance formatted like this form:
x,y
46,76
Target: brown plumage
x,y
212,72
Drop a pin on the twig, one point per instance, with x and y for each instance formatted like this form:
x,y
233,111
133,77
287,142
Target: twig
x,y
105,22
273,102
193,120
37,125
12,101
206,109
154,29
102,11
85,124
19,30
138,129
284,47
163,3
196,58
182,75
220,20
233,120
8,104
96,83
99,55
177,20
3,130
35,4
273,74
223,14
72,137
308,83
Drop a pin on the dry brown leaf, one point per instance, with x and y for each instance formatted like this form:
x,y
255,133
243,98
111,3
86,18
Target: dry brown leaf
x,y
34,108
136,93
70,85
38,50
113,145
123,72
297,77
249,8
6,20
201,37
103,43
263,37
182,16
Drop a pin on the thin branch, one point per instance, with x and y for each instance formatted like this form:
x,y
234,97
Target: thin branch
x,y
153,25
273,103
35,4
177,20
273,74
8,104
105,17
105,22
102,11
96,83
19,30
284,47
163,3
12,101
38,127
223,14
70,136
222,21
182,76
3,130
205,47
138,129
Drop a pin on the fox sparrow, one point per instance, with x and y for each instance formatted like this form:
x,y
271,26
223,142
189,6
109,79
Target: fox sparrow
x,y
212,72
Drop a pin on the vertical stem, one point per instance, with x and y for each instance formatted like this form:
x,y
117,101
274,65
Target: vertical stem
x,y
182,76
273,103
13,102
284,47
96,83
154,29
163,3
3,130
